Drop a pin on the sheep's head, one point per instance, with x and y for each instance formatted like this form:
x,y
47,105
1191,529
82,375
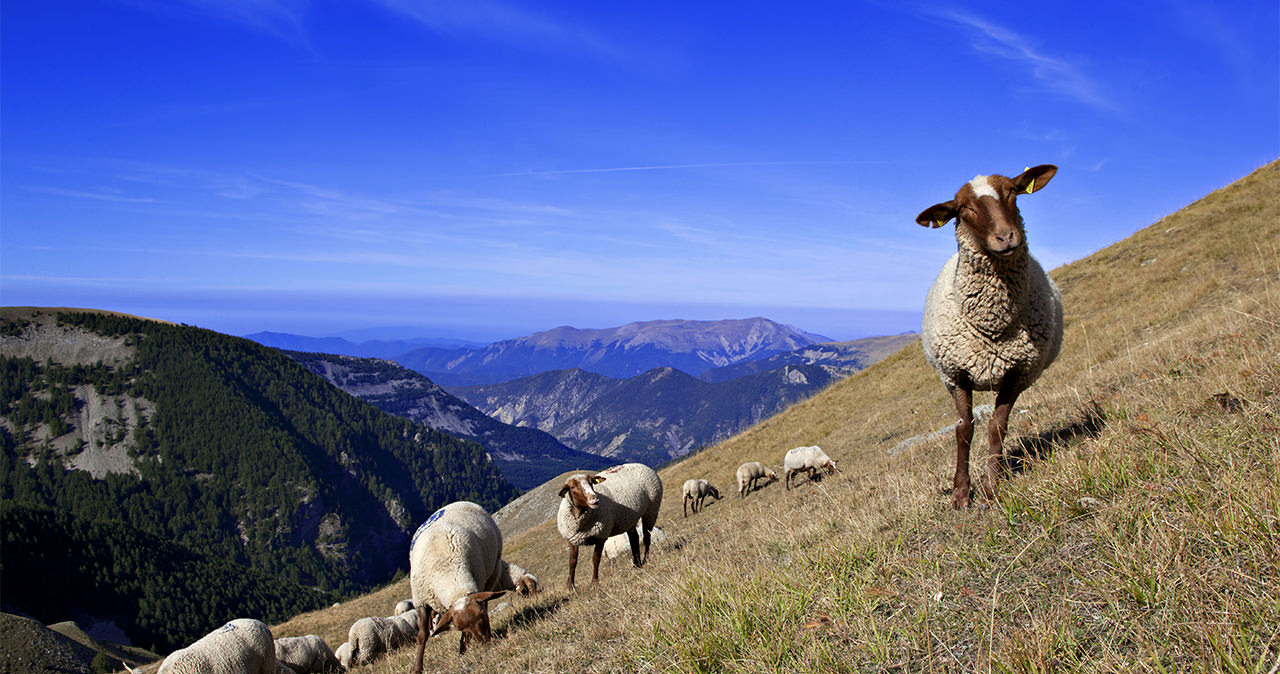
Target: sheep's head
x,y
773,477
581,491
830,465
469,615
528,585
713,491
986,211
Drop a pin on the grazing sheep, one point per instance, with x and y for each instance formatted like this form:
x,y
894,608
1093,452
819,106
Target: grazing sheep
x,y
242,645
402,606
306,655
695,491
455,568
371,638
615,545
343,653
800,459
749,473
594,508
515,579
993,318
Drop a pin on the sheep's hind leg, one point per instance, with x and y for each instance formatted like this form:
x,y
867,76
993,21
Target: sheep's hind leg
x,y
963,398
634,539
595,558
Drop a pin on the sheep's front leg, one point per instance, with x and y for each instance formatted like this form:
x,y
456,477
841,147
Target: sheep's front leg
x,y
996,430
595,558
963,398
573,563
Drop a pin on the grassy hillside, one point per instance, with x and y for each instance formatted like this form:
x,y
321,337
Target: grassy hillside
x,y
1140,531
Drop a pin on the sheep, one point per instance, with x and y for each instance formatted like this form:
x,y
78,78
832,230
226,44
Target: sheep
x,y
402,606
373,637
616,544
343,653
993,318
696,491
512,578
306,655
594,508
242,645
455,568
749,473
800,459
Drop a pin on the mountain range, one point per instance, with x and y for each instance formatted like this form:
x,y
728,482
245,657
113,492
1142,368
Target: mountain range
x,y
620,352
527,457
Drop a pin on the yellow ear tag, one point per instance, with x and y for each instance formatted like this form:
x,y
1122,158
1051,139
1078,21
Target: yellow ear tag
x,y
939,223
1030,188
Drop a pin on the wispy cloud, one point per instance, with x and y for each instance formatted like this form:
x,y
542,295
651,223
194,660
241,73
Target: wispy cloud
x,y
668,167
279,18
96,196
1054,74
502,22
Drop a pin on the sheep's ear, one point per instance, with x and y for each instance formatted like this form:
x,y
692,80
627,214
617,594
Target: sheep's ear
x,y
483,597
597,479
1034,179
937,215
564,490
445,621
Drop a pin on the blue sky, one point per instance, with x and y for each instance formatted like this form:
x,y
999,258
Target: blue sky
x,y
489,168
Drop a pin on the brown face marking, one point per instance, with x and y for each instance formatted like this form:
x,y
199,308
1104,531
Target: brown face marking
x,y
469,615
988,215
581,495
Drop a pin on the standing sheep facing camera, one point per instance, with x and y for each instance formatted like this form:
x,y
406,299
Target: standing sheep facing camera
x,y
612,502
455,568
993,318
749,473
801,459
240,646
696,491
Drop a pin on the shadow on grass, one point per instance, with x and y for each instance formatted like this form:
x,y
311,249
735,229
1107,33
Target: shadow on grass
x,y
1019,457
529,615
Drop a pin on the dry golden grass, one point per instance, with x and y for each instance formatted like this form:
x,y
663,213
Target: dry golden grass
x,y
1140,531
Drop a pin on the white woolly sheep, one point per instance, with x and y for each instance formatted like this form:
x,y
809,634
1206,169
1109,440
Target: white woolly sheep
x,y
402,606
455,568
306,655
993,318
371,638
612,502
615,545
811,458
696,491
749,473
242,645
343,653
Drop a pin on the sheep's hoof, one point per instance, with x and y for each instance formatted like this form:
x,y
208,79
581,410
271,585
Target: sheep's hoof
x,y
960,497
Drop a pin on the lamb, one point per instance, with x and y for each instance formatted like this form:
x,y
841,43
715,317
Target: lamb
x,y
594,508
616,544
695,491
242,645
374,637
749,473
306,655
455,568
800,459
993,318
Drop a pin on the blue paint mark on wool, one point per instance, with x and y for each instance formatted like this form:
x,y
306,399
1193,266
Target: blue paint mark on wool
x,y
430,520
